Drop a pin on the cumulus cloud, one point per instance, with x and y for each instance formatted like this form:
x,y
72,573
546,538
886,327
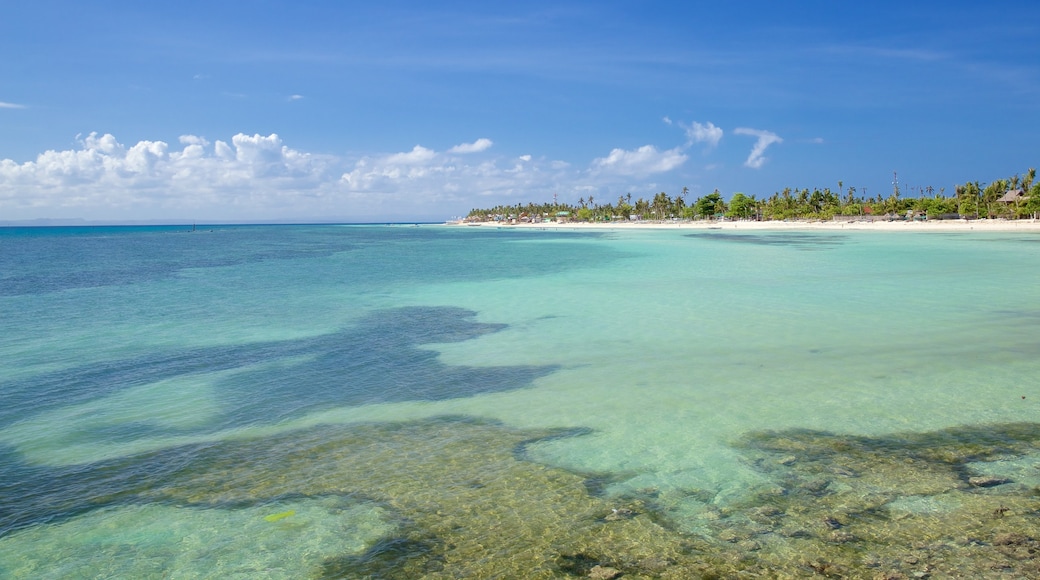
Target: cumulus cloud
x,y
194,146
706,133
439,176
765,138
643,161
193,140
4,105
475,147
105,178
417,155
259,177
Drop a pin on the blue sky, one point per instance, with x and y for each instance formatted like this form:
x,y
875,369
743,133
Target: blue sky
x,y
351,111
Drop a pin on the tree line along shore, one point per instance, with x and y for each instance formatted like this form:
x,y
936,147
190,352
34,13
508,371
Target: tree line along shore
x,y
1014,198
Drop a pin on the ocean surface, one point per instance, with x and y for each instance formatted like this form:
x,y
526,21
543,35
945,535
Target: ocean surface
x,y
445,402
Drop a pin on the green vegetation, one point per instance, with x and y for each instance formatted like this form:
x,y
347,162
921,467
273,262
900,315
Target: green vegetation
x,y
970,200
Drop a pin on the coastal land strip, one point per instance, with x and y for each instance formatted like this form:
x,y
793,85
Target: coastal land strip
x,y
960,225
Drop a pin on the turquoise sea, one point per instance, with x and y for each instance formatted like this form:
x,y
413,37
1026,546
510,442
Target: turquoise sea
x,y
450,402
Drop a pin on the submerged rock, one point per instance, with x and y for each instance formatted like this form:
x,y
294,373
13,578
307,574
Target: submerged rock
x,y
987,481
840,537
622,513
816,486
843,471
832,523
1011,539
603,573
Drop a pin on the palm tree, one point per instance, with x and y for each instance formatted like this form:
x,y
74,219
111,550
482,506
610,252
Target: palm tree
x,y
642,207
1027,181
680,204
661,203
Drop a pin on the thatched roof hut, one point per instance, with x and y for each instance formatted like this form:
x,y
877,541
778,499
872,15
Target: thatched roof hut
x,y
1013,196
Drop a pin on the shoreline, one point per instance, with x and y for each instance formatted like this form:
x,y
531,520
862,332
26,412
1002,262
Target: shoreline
x,y
982,225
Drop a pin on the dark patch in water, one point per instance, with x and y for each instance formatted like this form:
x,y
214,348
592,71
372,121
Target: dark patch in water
x,y
398,557
597,484
55,259
797,240
95,257
93,381
376,361
577,564
521,449
1024,314
952,446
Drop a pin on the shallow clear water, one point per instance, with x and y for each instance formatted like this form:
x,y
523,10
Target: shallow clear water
x,y
163,392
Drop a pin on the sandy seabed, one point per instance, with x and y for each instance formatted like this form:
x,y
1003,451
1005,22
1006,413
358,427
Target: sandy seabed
x,y
993,225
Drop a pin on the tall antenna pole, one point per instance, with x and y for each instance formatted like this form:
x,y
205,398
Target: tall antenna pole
x,y
895,184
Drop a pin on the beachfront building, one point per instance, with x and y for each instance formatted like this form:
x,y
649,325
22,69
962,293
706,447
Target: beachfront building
x,y
1013,197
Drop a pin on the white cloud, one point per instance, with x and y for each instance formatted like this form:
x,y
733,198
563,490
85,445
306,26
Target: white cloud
x,y
195,147
707,133
643,161
438,175
259,177
143,157
295,97
765,138
4,105
105,179
667,120
257,150
223,151
475,147
417,155
192,140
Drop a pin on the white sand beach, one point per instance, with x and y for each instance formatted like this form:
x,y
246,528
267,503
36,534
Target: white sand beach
x,y
982,225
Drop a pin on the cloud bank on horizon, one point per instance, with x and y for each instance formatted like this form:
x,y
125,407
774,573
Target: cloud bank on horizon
x,y
260,177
